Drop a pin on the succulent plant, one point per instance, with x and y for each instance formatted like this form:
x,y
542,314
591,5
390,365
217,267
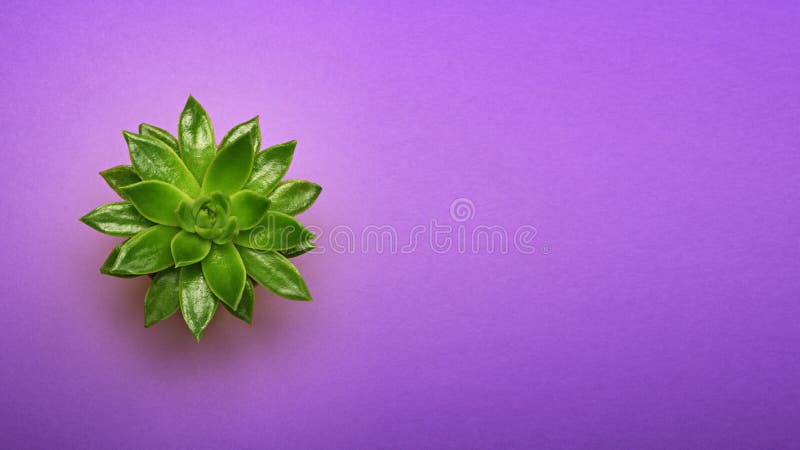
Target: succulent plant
x,y
205,222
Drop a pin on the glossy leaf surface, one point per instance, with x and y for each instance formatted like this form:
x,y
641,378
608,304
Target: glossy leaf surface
x,y
275,272
154,160
294,196
245,309
156,200
196,138
225,273
249,208
120,176
198,303
270,166
107,267
298,249
276,231
231,168
147,252
117,219
162,135
163,297
251,126
188,248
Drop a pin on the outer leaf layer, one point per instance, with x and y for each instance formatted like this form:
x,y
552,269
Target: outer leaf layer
x,y
189,248
225,273
251,126
294,196
156,200
163,297
270,166
198,303
154,160
117,219
249,208
106,268
196,137
231,168
162,135
275,272
298,249
147,252
276,231
120,176
245,309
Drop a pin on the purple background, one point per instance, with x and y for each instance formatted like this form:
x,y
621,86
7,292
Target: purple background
x,y
655,148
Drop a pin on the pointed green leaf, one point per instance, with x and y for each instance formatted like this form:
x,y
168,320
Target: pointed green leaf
x,y
196,137
105,269
231,168
154,160
156,200
298,249
276,231
270,166
275,272
163,297
294,196
189,248
225,273
198,303
249,208
120,176
147,252
117,219
245,309
162,135
251,126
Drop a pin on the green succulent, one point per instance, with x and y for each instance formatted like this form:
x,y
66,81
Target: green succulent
x,y
206,222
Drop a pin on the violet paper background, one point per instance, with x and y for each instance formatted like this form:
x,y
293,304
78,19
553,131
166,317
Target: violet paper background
x,y
653,147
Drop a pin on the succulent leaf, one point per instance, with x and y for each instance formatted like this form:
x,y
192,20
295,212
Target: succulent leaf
x,y
147,252
298,249
120,176
188,248
249,127
225,273
276,231
270,166
162,135
186,216
245,309
229,231
249,208
156,200
198,303
106,268
196,138
231,168
294,196
154,160
163,297
117,219
275,272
